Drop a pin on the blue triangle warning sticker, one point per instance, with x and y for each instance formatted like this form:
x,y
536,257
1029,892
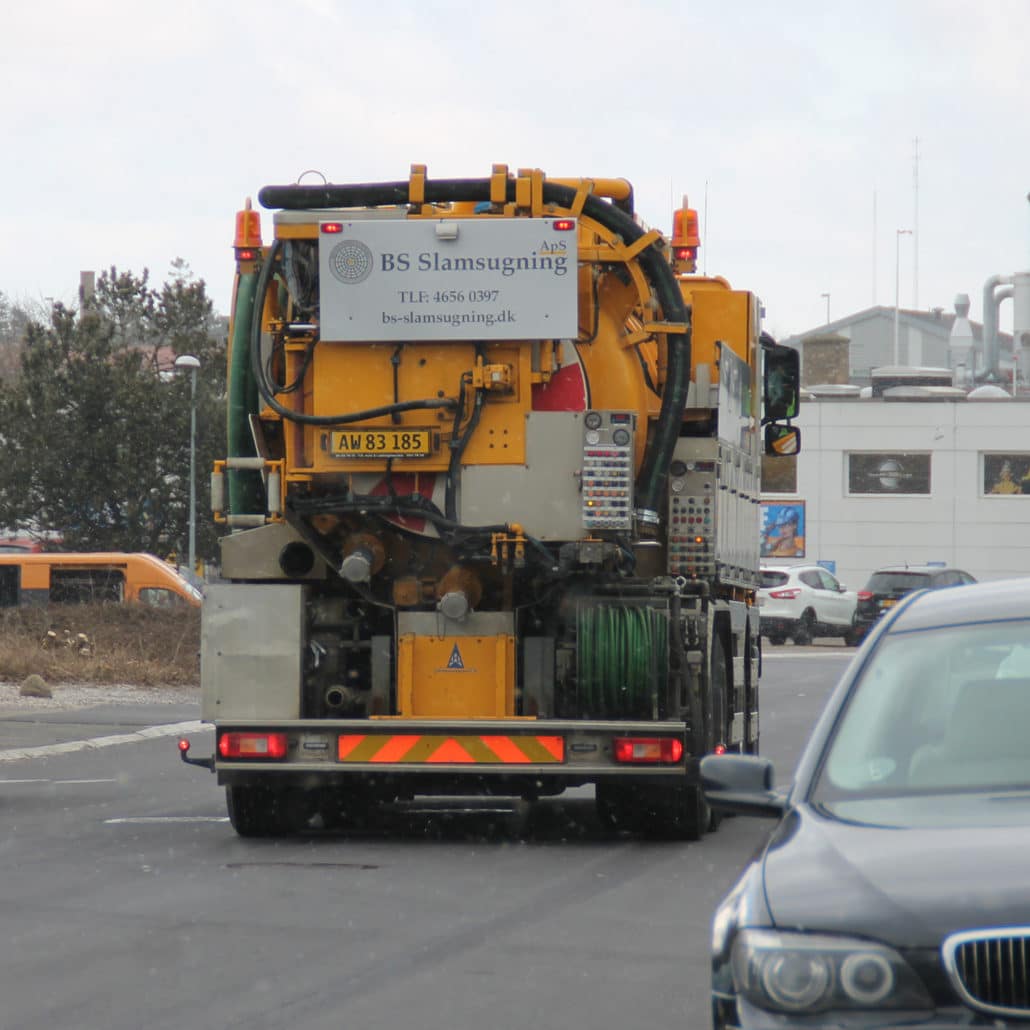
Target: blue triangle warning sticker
x,y
455,662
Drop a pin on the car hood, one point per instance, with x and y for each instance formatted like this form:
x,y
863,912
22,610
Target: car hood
x,y
908,887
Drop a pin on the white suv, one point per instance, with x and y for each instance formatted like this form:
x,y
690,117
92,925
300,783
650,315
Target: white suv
x,y
803,602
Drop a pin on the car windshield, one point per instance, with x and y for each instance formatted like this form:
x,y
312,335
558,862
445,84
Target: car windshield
x,y
893,582
773,579
936,713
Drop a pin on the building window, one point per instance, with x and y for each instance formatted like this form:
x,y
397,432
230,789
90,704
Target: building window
x,y
779,475
1005,474
888,472
783,530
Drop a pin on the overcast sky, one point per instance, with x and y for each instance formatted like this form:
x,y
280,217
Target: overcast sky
x,y
135,130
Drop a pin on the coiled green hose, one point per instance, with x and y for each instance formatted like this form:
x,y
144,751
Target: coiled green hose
x,y
622,660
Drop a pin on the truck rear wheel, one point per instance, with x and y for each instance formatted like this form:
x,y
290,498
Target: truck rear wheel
x,y
615,805
677,813
662,812
260,811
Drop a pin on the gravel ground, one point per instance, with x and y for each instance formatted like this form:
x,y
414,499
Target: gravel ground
x,y
89,696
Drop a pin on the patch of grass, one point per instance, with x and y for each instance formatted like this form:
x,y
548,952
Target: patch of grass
x,y
127,643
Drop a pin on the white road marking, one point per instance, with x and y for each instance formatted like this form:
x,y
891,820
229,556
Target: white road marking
x,y
109,779
771,656
138,819
175,729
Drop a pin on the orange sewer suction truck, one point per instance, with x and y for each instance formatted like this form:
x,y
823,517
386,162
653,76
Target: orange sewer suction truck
x,y
492,490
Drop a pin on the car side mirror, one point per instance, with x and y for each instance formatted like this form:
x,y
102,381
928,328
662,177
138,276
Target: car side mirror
x,y
742,784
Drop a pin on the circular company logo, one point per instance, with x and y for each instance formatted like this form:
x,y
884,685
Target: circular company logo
x,y
351,262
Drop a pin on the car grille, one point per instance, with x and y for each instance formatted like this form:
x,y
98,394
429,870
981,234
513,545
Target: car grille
x,y
990,969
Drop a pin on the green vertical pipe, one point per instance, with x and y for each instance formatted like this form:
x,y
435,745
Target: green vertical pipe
x,y
244,487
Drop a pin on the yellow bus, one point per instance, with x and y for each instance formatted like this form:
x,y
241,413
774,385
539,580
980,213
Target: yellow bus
x,y
73,578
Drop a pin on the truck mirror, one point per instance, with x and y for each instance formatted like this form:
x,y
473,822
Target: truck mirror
x,y
782,441
782,382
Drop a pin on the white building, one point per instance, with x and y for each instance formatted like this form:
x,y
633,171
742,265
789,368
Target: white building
x,y
882,480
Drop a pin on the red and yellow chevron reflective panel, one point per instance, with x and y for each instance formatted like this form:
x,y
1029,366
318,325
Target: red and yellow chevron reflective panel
x,y
450,749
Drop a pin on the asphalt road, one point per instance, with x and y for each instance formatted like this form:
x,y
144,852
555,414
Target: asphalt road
x,y
126,900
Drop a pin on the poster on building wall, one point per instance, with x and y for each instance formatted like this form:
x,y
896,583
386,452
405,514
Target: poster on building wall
x,y
783,529
1006,474
888,472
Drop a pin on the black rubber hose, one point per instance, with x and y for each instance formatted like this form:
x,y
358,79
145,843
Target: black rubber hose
x,y
654,471
268,394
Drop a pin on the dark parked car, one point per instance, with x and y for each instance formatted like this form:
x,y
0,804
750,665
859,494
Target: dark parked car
x,y
894,890
890,584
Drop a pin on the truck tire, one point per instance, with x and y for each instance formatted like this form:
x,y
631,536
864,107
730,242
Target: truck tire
x,y
721,705
617,807
677,813
259,811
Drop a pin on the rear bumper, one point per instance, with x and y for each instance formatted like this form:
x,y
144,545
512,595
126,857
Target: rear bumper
x,y
553,754
866,617
777,624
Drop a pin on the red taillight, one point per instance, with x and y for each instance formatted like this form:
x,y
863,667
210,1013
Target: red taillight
x,y
563,224
647,749
720,749
252,745
331,227
865,595
785,595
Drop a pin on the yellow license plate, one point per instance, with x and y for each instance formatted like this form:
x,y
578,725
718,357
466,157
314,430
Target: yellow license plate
x,y
377,443
890,603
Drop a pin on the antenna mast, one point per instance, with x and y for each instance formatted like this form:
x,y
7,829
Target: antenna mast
x,y
915,226
873,246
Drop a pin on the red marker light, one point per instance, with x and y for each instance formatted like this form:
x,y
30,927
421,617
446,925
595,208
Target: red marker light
x,y
331,227
246,255
563,224
720,749
686,253
184,745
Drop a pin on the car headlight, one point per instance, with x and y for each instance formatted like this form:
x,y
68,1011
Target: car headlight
x,y
800,972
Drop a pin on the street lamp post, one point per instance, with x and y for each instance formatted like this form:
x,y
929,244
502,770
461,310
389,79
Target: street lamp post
x,y
827,298
898,233
192,363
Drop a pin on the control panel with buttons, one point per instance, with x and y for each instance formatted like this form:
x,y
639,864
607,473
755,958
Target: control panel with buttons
x,y
692,514
607,479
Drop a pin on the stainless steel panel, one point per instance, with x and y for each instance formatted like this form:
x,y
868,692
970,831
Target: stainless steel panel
x,y
544,494
251,646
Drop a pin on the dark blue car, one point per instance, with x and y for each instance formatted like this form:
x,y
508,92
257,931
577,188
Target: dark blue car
x,y
894,889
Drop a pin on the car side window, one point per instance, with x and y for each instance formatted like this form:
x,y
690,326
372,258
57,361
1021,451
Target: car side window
x,y
811,579
829,583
